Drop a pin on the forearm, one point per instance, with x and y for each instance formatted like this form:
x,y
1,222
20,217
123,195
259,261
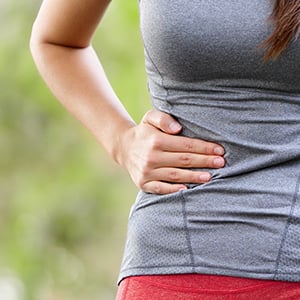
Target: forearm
x,y
77,79
157,159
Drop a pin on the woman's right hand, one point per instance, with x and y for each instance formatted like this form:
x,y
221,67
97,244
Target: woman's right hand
x,y
159,160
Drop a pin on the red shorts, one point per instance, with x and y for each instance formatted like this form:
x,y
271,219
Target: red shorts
x,y
206,287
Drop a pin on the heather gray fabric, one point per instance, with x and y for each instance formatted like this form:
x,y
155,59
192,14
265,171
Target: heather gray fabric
x,y
204,67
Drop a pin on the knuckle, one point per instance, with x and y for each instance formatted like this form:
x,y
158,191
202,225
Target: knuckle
x,y
186,160
194,178
157,189
173,176
189,144
208,148
145,174
147,116
156,142
141,183
149,161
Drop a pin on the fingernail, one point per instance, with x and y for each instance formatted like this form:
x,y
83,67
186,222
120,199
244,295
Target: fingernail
x,y
218,151
174,126
218,162
204,177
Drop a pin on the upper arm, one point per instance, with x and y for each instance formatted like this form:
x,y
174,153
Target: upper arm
x,y
69,23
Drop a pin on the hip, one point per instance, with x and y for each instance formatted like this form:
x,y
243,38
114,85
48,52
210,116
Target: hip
x,y
208,287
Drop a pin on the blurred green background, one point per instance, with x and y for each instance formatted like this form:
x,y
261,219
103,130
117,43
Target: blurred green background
x,y
63,203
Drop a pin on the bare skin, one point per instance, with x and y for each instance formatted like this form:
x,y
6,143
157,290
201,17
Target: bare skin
x,y
156,157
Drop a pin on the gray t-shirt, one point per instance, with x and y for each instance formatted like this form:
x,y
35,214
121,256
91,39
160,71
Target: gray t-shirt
x,y
204,67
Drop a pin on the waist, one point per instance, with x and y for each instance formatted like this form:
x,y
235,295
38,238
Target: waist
x,y
256,133
197,283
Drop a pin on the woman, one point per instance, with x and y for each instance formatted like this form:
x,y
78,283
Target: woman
x,y
228,77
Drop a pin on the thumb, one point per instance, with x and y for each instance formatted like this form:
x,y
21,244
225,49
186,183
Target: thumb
x,y
162,121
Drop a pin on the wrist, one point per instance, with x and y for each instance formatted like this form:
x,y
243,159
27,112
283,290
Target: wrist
x,y
120,145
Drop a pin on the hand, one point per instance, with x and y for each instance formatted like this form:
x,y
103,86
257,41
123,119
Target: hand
x,y
159,161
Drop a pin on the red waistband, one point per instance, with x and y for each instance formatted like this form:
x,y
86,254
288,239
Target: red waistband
x,y
198,286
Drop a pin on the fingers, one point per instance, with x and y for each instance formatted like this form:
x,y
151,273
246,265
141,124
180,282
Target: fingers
x,y
173,180
162,121
171,143
161,188
189,145
175,175
162,162
185,160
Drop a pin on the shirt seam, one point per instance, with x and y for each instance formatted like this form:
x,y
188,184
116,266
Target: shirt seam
x,y
187,232
153,63
287,225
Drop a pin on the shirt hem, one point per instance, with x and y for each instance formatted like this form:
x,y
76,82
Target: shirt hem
x,y
157,270
196,270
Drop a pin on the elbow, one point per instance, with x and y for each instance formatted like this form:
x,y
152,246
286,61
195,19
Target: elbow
x,y
39,46
35,42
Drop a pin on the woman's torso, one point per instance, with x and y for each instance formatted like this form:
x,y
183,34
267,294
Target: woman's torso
x,y
204,66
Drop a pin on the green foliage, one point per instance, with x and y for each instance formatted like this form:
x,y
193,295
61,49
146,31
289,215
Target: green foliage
x,y
63,203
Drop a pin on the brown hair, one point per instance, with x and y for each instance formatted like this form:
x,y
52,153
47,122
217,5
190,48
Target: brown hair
x,y
286,20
